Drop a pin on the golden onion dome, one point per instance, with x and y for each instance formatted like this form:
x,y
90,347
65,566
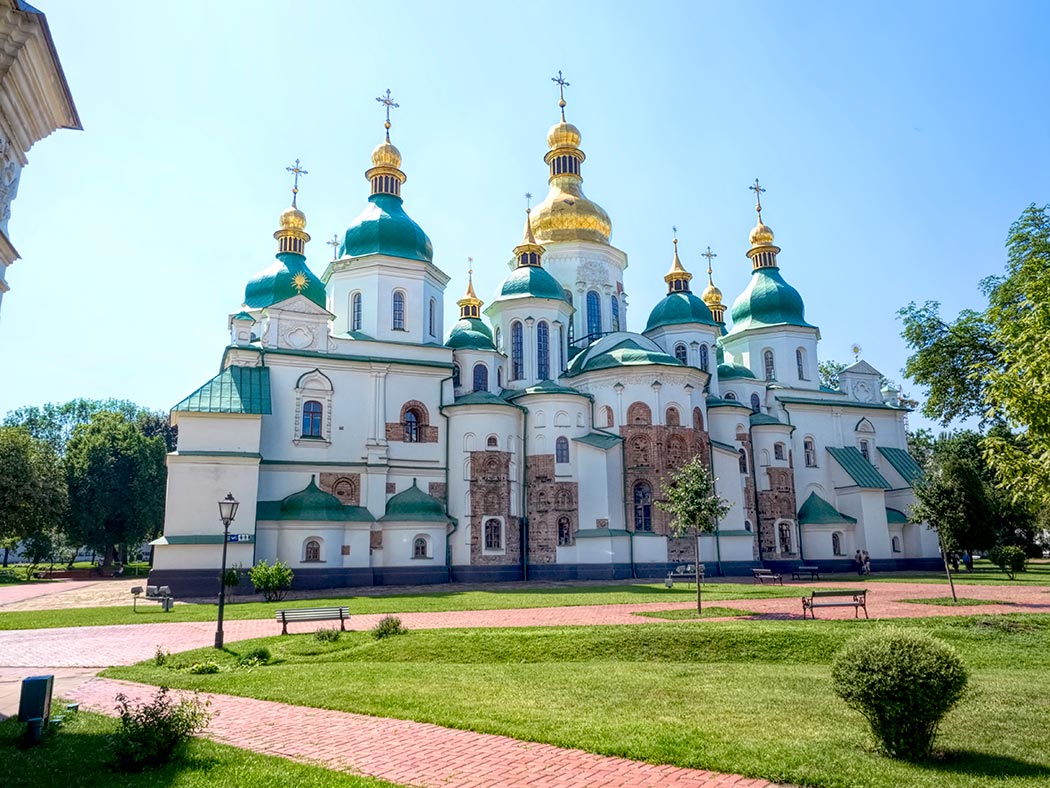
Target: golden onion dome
x,y
293,219
563,135
567,215
761,235
711,296
385,154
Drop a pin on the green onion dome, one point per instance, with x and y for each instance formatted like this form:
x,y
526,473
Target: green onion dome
x,y
621,349
384,228
312,503
730,371
470,333
284,279
414,505
677,308
531,281
768,301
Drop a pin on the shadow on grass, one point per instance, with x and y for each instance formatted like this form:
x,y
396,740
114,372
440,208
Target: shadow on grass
x,y
984,764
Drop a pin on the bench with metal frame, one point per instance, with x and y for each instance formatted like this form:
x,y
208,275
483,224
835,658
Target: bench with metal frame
x,y
313,614
812,571
160,594
686,573
762,575
858,600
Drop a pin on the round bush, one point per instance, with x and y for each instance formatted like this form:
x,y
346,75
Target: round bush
x,y
903,682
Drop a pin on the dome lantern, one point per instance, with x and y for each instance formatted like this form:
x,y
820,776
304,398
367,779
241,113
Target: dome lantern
x,y
291,236
470,305
528,251
763,254
712,296
677,278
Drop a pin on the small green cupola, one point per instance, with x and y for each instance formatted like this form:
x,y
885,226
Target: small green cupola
x,y
679,305
530,279
414,505
470,332
312,503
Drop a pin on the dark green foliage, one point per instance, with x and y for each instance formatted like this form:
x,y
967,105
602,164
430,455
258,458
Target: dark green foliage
x,y
828,372
327,635
258,655
54,423
32,488
150,733
272,580
903,682
204,668
1009,558
387,627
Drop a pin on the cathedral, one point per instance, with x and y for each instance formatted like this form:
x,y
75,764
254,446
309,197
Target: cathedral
x,y
368,447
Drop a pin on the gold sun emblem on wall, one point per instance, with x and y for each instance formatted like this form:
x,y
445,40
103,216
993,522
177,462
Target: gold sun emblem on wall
x,y
299,282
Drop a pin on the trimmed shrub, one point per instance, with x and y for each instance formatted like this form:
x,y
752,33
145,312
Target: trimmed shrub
x,y
259,655
150,733
388,626
273,581
201,668
1009,558
903,682
327,635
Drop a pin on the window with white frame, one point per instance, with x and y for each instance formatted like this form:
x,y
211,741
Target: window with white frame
x,y
779,451
517,351
681,352
809,449
564,532
800,362
836,544
767,363
313,409
355,312
398,311
432,318
561,449
421,547
493,535
705,358
312,551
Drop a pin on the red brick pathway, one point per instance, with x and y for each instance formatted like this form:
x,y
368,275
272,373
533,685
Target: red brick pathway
x,y
414,753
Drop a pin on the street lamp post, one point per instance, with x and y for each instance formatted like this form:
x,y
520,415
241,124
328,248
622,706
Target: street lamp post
x,y
227,511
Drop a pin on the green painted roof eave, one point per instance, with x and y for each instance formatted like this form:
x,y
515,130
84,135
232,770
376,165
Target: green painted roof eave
x,y
600,440
862,472
817,511
903,463
682,308
896,517
236,389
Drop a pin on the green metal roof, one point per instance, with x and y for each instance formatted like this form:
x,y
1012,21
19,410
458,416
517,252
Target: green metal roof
x,y
531,281
768,301
234,390
600,440
470,333
730,371
678,308
383,227
762,420
242,315
286,278
896,517
480,398
620,350
837,403
860,470
903,463
595,533
718,402
726,446
543,387
817,511
414,505
312,504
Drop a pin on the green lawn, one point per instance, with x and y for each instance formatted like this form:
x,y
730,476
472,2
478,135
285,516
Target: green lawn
x,y
400,603
947,601
744,697
984,573
76,756
690,613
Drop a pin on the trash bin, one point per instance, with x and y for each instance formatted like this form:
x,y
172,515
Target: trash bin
x,y
34,705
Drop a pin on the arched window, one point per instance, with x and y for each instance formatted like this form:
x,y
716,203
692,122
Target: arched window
x,y
561,449
639,413
643,506
698,419
561,349
767,361
499,340
594,315
499,376
809,448
412,431
836,543
784,532
607,416
433,317
705,358
455,375
742,457
419,547
543,351
672,418
481,377
493,535
779,451
865,450
731,395
681,353
800,362
492,442
312,551
355,312
312,411
398,323
756,403
747,525
517,351
614,302
896,544
639,454
676,452
564,531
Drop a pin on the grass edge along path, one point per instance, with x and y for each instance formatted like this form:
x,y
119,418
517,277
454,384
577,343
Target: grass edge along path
x,y
629,691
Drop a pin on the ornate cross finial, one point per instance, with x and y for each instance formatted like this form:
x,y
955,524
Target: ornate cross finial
x,y
757,189
387,102
562,83
528,202
334,243
470,268
856,349
709,255
297,171
674,233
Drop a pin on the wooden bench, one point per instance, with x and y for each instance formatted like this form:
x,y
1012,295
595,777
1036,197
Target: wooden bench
x,y
313,614
762,575
686,573
812,571
836,598
153,594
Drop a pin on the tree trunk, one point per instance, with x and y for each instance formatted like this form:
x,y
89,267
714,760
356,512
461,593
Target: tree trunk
x,y
7,552
699,599
947,567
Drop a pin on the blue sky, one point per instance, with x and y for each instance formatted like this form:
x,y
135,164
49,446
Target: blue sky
x,y
897,142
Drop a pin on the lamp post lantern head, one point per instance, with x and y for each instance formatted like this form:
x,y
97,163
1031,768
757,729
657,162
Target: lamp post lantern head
x,y
228,509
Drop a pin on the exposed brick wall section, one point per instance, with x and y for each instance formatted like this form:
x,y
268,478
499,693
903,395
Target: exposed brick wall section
x,y
440,491
375,540
744,438
344,486
391,488
776,503
490,497
547,501
395,433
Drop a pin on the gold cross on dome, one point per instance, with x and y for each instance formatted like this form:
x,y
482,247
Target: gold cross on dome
x,y
562,83
387,102
528,201
334,243
709,255
296,170
757,189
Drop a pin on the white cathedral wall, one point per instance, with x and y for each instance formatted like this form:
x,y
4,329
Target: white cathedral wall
x,y
692,336
530,311
226,432
580,266
729,485
748,348
399,539
600,476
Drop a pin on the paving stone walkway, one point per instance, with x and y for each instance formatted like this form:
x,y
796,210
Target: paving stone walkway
x,y
414,753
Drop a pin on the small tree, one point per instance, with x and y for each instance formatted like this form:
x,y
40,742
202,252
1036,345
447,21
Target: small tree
x,y
694,506
272,580
1010,558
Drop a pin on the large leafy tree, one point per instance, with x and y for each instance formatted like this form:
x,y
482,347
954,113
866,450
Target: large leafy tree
x,y
695,508
32,486
116,478
55,422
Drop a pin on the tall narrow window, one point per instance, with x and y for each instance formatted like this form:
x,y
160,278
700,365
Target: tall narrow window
x,y
681,353
672,418
756,403
643,506
312,410
561,349
779,451
481,377
455,376
419,547
517,351
493,535
865,451
615,304
355,312
767,360
564,531
698,419
705,359
433,317
399,311
561,449
809,448
312,551
836,543
800,361
785,538
543,350
742,458
411,427
594,315
499,340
